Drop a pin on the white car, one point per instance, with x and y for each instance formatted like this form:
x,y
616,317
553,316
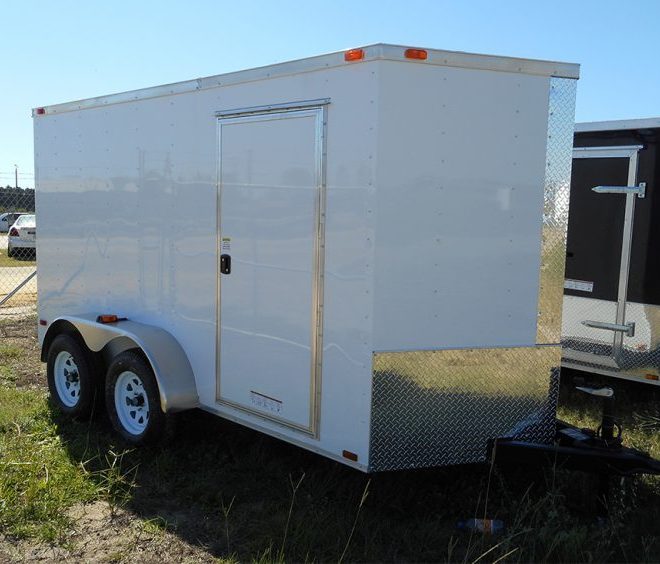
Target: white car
x,y
22,238
7,219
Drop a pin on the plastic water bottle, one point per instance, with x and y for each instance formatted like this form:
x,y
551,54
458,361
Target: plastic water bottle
x,y
484,526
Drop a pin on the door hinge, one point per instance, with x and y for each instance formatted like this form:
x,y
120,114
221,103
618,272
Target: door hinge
x,y
639,190
628,328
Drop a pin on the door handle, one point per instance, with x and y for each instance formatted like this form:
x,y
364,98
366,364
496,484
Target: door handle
x,y
225,264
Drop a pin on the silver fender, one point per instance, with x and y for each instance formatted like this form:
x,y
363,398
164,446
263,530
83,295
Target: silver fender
x,y
168,360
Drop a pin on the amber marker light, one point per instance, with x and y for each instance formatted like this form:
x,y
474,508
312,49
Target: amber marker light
x,y
652,377
354,55
419,54
107,319
350,455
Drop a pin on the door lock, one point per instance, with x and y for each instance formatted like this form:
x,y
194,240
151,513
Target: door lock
x,y
225,264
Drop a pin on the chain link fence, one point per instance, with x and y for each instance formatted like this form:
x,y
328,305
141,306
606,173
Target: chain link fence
x,y
18,251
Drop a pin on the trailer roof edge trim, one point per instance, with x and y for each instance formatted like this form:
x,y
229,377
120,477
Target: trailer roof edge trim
x,y
617,125
374,52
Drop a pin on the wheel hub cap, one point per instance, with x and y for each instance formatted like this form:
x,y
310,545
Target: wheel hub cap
x,y
131,403
67,379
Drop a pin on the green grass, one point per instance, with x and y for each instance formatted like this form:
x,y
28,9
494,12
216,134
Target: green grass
x,y
9,351
37,477
244,496
7,375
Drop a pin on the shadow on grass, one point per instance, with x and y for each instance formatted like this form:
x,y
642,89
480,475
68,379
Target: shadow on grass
x,y
209,464
229,489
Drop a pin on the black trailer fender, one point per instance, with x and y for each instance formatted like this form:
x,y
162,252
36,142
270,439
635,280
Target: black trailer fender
x,y
176,381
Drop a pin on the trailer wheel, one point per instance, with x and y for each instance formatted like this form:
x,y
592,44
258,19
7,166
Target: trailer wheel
x,y
132,399
70,380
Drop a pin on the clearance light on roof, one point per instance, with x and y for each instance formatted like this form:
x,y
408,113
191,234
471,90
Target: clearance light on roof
x,y
419,54
354,55
40,111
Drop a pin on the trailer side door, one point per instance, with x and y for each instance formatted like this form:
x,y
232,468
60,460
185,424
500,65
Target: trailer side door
x,y
270,237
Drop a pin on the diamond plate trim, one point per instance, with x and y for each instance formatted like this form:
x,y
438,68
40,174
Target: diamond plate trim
x,y
436,408
556,194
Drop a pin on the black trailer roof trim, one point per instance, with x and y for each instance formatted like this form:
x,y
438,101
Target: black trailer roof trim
x,y
606,151
618,125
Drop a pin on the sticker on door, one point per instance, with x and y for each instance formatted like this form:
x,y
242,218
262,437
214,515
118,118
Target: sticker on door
x,y
580,285
264,402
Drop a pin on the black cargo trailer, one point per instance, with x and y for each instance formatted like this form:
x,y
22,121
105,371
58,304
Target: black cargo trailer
x,y
611,313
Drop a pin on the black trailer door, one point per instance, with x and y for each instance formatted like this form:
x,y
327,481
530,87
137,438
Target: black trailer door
x,y
598,254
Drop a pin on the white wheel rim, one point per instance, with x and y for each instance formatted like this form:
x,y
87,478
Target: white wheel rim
x,y
131,403
67,379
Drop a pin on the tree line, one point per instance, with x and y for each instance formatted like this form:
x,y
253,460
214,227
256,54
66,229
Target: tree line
x,y
16,199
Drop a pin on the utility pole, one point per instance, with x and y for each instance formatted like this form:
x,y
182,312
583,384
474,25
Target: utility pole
x,y
16,177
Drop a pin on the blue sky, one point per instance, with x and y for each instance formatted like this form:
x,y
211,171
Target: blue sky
x,y
63,50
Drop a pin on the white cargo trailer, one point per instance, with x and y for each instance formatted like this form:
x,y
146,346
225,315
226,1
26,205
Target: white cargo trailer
x,y
361,253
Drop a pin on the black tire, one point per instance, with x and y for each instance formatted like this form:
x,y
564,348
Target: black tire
x,y
78,403
10,252
155,421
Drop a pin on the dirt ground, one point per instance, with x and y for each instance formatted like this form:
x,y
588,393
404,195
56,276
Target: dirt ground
x,y
105,534
19,347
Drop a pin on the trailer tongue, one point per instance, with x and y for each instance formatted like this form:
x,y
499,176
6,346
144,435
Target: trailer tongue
x,y
600,451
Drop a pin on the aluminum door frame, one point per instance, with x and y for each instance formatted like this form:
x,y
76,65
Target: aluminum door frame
x,y
272,111
631,152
